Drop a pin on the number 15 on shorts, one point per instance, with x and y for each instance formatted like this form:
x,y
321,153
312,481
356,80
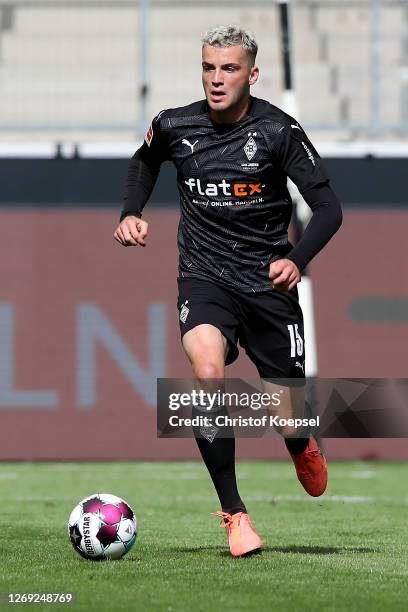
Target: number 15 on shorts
x,y
296,341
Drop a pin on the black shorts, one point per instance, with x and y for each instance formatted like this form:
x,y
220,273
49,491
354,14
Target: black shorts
x,y
268,325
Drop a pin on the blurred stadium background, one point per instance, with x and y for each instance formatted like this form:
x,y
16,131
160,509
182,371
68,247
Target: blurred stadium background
x,y
86,327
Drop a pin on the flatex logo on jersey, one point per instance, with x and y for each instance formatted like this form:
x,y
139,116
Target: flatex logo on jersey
x,y
240,190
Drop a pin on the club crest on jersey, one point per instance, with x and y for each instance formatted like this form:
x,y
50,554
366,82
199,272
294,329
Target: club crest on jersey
x,y
250,147
149,135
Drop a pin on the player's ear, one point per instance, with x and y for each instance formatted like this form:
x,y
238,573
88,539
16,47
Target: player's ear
x,y
253,75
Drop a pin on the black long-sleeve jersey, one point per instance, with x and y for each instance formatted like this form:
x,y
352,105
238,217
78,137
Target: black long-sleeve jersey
x,y
235,206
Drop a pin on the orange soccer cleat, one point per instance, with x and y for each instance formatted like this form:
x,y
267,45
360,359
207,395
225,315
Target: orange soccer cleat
x,y
311,469
242,537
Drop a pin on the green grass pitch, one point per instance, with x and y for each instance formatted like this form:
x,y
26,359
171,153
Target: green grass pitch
x,y
345,551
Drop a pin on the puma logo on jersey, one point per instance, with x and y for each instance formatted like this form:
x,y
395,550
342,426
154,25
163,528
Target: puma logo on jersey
x,y
188,144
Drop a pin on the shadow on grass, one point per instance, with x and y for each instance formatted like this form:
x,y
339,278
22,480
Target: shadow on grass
x,y
300,550
198,549
318,550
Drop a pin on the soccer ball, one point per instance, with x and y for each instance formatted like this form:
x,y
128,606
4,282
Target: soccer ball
x,y
102,526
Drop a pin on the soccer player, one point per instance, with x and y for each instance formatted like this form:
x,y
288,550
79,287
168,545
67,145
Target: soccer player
x,y
237,270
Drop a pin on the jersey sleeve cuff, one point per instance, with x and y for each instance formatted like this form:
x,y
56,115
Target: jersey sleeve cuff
x,y
296,260
128,213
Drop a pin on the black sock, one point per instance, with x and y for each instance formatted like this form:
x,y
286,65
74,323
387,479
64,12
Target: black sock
x,y
219,457
296,445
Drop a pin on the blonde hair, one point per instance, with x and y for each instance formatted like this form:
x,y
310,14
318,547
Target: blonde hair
x,y
231,36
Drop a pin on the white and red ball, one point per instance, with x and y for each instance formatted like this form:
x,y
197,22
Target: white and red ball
x,y
102,526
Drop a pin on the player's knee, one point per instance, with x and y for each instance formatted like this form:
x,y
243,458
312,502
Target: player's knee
x,y
208,369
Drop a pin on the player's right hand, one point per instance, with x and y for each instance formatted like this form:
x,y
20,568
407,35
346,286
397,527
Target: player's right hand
x,y
132,231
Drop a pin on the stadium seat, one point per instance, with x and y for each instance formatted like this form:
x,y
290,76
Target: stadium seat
x,y
76,66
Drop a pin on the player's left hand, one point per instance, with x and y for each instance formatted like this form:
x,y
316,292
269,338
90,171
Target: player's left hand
x,y
284,275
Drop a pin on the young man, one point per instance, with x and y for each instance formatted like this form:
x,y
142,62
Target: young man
x,y
237,271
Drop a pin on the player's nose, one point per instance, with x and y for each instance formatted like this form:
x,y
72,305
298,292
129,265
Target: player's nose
x,y
217,77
